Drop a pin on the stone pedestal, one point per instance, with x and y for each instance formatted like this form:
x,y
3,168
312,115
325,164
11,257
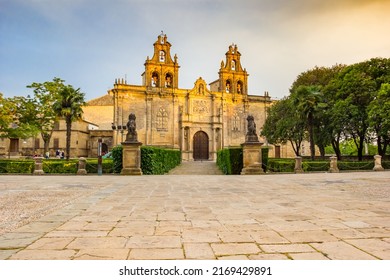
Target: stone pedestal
x,y
81,167
333,165
131,158
38,170
252,161
378,163
298,165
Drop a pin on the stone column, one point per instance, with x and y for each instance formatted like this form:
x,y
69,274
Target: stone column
x,y
378,163
333,165
298,165
131,158
81,166
38,170
252,161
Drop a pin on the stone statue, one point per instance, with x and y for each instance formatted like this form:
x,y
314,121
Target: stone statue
x,y
251,135
131,127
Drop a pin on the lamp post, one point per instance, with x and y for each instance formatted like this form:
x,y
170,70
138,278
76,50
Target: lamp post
x,y
99,152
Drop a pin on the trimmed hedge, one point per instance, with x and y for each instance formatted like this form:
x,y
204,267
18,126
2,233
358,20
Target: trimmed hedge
x,y
158,161
59,166
355,165
107,166
287,165
52,166
229,160
16,166
154,160
116,153
281,165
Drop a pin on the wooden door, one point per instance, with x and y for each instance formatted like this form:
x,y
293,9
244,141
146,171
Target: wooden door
x,y
201,146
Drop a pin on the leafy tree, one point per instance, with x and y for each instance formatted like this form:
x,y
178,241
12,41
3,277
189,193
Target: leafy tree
x,y
68,105
45,95
318,76
14,121
379,118
309,99
6,118
283,124
355,88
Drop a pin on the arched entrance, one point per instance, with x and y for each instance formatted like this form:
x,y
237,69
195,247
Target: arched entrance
x,y
201,146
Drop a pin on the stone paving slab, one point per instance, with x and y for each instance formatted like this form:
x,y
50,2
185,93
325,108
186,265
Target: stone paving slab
x,y
288,216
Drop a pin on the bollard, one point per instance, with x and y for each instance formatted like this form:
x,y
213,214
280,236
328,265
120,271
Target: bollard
x,y
38,166
298,165
81,167
378,163
333,165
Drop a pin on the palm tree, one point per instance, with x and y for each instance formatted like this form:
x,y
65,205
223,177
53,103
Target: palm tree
x,y
306,98
69,106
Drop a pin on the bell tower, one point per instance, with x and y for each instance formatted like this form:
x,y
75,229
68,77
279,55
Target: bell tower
x,y
232,77
161,71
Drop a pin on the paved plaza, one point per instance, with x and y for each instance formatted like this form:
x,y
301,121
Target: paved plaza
x,y
317,216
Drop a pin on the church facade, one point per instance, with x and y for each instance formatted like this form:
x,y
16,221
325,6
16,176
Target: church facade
x,y
198,121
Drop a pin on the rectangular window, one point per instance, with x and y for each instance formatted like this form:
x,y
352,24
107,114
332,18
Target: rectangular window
x,y
37,143
56,144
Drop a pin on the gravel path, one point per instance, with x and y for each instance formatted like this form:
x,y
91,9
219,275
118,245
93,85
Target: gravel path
x,y
28,200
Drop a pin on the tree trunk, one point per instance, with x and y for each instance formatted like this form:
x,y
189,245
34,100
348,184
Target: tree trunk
x,y
360,148
68,135
336,147
46,140
311,136
322,150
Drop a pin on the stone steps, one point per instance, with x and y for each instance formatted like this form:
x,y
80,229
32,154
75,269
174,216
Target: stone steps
x,y
196,168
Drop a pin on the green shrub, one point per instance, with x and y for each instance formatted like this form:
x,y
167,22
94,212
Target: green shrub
x,y
230,160
107,166
281,165
59,166
158,161
117,158
308,166
386,164
355,165
16,166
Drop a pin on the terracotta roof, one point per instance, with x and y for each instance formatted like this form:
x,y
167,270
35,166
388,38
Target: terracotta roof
x,y
105,100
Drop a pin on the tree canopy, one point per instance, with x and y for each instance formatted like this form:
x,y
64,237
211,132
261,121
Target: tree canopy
x,y
341,102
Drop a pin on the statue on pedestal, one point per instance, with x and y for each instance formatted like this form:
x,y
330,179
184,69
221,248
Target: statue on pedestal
x,y
131,135
251,136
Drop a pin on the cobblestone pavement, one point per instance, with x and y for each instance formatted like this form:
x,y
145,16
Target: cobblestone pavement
x,y
298,216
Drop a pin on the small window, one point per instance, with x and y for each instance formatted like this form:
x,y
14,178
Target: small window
x,y
233,65
56,144
154,82
37,143
228,85
239,87
162,56
168,80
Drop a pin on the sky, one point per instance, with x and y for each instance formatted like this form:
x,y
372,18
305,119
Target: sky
x,y
90,43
